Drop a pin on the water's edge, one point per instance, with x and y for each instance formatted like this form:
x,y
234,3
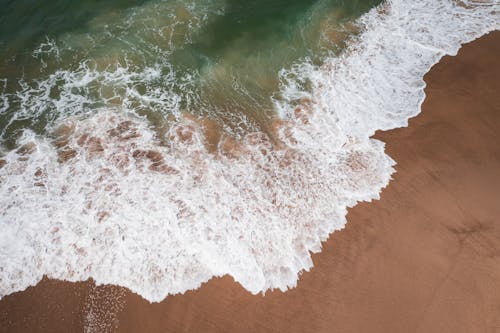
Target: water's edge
x,y
147,231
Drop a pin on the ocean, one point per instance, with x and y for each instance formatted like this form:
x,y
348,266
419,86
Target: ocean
x,y
157,144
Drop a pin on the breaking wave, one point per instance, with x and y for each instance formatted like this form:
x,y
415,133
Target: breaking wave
x,y
162,209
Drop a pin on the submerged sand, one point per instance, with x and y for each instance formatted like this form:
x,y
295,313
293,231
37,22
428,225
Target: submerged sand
x,y
424,258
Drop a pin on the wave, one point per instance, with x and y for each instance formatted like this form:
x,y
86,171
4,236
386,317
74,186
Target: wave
x,y
162,211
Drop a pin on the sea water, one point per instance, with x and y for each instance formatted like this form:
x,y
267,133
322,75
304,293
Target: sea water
x,y
157,144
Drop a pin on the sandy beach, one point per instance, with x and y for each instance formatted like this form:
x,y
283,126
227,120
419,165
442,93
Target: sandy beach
x,y
424,258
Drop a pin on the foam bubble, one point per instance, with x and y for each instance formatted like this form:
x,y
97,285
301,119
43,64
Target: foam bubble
x,y
377,84
161,212
105,199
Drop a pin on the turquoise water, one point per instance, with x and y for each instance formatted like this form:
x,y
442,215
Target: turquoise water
x,y
219,59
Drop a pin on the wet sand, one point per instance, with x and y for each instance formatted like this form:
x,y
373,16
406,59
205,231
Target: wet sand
x,y
424,258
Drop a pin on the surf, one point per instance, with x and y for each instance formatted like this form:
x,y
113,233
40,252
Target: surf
x,y
160,207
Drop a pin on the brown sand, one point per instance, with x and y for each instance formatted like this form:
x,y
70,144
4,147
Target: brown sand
x,y
425,258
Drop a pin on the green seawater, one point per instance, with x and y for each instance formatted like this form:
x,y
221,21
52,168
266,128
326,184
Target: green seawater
x,y
159,59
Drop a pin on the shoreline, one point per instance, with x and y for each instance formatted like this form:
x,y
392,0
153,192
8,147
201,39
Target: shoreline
x,y
422,258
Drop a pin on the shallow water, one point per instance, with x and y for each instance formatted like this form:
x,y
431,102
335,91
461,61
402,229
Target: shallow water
x,y
219,58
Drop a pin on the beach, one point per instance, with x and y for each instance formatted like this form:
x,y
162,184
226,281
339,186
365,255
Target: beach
x,y
423,258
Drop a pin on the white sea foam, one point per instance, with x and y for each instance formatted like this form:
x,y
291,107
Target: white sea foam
x,y
110,199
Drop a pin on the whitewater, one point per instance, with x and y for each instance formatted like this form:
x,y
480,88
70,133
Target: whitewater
x,y
161,211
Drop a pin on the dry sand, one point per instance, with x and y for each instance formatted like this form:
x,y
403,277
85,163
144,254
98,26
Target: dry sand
x,y
425,258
